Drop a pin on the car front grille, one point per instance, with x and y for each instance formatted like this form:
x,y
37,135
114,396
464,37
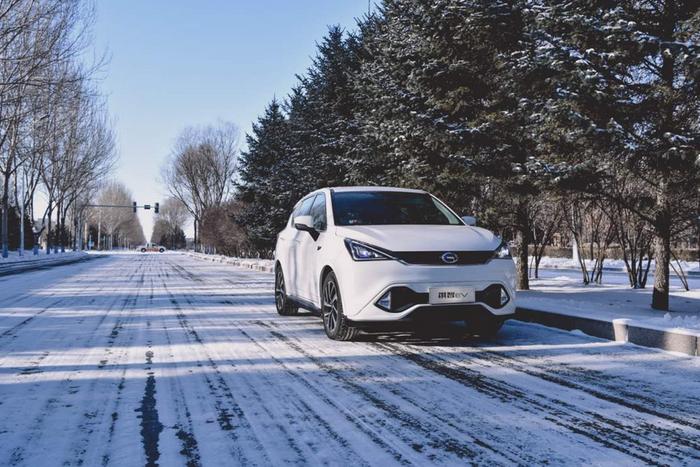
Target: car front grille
x,y
403,298
435,257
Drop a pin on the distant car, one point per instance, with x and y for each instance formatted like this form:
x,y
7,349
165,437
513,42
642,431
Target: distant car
x,y
153,248
396,255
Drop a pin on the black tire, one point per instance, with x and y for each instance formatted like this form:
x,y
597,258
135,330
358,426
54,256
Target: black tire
x,y
162,250
484,327
335,323
285,307
143,250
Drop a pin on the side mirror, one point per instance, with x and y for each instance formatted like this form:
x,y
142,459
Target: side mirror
x,y
469,220
306,223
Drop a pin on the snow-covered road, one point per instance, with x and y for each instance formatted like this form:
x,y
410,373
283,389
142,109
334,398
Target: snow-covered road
x,y
164,359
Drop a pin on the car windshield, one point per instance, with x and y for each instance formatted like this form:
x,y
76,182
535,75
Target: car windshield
x,y
390,207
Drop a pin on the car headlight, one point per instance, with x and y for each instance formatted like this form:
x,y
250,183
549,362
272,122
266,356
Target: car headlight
x,y
502,252
363,252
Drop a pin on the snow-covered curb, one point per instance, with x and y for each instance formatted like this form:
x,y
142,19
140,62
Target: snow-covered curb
x,y
256,264
29,261
634,331
691,268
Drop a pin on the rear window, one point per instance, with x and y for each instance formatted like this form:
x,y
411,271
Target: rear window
x,y
390,207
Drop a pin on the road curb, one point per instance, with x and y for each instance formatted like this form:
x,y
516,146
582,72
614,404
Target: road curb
x,y
620,330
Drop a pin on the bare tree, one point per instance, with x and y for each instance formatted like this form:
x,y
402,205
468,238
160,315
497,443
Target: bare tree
x,y
40,41
545,220
201,167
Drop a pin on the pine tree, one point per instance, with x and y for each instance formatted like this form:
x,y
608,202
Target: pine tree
x,y
321,113
266,185
628,93
451,97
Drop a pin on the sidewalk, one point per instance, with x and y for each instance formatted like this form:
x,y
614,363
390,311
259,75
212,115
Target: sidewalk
x,y
614,311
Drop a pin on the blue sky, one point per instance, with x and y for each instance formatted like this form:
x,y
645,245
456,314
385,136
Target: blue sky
x,y
175,63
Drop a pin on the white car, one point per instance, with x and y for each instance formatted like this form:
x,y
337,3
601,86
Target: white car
x,y
152,247
364,257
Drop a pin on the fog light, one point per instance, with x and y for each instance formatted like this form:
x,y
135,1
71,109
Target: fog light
x,y
385,301
504,296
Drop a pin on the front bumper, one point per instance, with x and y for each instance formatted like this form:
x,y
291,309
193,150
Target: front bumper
x,y
362,284
431,314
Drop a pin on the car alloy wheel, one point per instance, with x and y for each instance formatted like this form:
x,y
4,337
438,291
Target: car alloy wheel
x,y
282,303
330,306
335,324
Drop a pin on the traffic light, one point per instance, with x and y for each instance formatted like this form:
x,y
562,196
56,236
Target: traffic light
x,y
134,206
156,207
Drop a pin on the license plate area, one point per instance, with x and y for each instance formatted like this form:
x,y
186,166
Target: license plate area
x,y
443,295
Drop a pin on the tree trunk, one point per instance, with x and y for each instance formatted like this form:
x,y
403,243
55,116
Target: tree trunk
x,y
195,234
59,234
5,217
662,254
522,228
662,250
48,231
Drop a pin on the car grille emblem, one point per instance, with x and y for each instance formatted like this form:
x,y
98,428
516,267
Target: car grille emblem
x,y
449,257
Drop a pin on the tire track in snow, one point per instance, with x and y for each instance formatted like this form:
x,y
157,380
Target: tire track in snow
x,y
230,416
670,438
675,436
184,425
54,402
436,439
604,431
100,417
599,385
96,415
504,446
305,411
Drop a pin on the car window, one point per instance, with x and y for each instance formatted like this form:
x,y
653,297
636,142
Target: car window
x,y
294,213
318,212
390,207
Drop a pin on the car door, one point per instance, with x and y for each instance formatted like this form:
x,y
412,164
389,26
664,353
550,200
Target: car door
x,y
311,250
283,248
297,266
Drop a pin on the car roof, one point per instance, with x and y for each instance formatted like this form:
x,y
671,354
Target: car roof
x,y
342,189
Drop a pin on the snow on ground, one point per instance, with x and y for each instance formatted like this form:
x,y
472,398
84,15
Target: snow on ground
x,y
167,359
563,292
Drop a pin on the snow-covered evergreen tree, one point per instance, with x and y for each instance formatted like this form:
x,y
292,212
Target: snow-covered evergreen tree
x,y
265,187
451,96
627,83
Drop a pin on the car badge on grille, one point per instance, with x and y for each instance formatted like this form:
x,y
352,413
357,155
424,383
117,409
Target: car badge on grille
x,y
449,257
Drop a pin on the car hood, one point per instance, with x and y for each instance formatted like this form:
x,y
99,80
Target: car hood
x,y
422,237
